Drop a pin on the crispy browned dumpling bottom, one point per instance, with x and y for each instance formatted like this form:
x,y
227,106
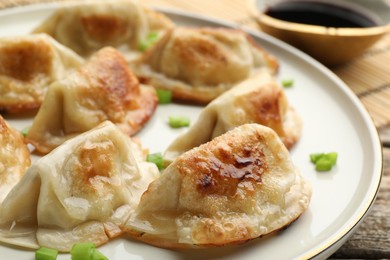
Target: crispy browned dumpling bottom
x,y
237,187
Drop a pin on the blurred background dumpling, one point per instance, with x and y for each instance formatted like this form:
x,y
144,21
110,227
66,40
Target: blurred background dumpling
x,y
91,25
28,65
199,64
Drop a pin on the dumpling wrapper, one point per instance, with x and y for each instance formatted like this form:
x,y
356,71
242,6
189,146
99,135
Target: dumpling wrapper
x,y
199,64
82,191
92,25
240,186
28,64
104,88
14,157
258,99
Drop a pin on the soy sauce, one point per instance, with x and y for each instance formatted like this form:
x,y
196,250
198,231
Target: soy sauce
x,y
320,13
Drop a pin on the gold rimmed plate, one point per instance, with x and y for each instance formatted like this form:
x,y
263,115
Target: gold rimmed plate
x,y
334,120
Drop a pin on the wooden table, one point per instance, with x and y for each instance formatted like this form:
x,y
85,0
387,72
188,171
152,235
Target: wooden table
x,y
368,76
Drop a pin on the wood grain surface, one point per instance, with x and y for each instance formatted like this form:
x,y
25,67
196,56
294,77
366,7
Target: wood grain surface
x,y
368,76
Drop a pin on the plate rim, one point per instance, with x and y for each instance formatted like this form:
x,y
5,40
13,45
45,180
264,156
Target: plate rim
x,y
334,242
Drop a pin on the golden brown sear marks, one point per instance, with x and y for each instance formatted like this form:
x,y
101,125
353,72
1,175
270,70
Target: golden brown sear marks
x,y
268,108
96,160
25,60
118,88
104,28
103,88
15,158
222,170
199,52
199,64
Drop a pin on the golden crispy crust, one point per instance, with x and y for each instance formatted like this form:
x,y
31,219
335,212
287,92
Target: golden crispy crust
x,y
258,99
82,191
102,89
269,106
239,186
125,102
14,158
92,25
199,64
27,66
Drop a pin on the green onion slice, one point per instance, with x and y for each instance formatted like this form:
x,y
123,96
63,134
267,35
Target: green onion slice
x,y
324,161
82,251
287,83
178,121
157,159
332,157
164,96
45,253
151,39
25,130
315,156
323,164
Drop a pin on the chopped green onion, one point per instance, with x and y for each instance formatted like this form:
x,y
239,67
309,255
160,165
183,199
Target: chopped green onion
x,y
332,157
45,253
178,121
86,251
151,38
82,251
164,96
157,159
287,83
25,130
324,161
96,255
315,156
323,164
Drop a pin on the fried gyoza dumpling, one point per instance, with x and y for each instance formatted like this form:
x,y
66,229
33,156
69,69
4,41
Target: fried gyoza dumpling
x,y
82,191
240,186
257,100
199,64
102,89
90,26
14,157
28,64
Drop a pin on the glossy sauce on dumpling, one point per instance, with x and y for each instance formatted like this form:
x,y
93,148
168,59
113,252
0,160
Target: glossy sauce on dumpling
x,y
237,187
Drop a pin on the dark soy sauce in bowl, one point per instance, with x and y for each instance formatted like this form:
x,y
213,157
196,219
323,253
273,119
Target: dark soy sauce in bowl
x,y
320,13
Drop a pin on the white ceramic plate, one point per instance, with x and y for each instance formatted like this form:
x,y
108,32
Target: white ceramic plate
x,y
334,120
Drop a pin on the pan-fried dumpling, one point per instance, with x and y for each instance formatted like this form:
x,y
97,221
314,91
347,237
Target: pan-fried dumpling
x,y
82,191
28,64
240,186
90,26
257,100
14,158
198,64
104,88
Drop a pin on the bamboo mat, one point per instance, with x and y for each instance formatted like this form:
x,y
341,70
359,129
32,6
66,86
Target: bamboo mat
x,y
368,76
